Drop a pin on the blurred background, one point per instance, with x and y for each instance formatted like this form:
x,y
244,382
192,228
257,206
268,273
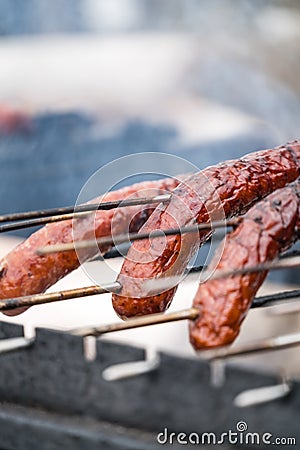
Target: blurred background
x,y
88,81
85,82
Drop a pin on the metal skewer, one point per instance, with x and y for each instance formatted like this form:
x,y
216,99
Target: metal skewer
x,y
143,321
68,294
268,344
265,300
41,299
42,221
284,263
123,238
35,218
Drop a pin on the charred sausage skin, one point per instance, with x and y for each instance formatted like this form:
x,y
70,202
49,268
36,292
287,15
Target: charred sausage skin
x,y
25,273
269,228
230,188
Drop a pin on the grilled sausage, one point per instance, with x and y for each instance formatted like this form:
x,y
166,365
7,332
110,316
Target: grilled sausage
x,y
229,188
269,228
25,273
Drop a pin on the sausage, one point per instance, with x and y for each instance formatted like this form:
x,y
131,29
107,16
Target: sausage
x,y
217,192
22,272
269,228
